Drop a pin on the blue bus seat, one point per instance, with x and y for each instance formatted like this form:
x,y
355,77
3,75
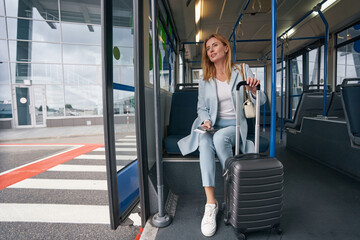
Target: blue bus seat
x,y
182,114
310,105
350,92
336,108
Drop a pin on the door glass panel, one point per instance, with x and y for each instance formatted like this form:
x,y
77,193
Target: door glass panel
x,y
314,66
23,106
296,83
38,105
124,107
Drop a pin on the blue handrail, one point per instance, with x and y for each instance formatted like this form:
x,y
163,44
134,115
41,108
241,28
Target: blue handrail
x,y
123,87
325,59
282,92
273,78
238,20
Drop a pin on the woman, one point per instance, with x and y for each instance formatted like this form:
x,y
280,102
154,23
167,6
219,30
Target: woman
x,y
216,109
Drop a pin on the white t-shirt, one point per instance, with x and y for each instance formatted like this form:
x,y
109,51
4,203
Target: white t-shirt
x,y
225,108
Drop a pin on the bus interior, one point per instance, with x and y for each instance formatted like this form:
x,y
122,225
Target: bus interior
x,y
306,55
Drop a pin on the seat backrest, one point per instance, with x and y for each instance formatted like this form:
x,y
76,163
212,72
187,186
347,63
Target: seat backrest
x,y
183,112
351,100
336,108
311,105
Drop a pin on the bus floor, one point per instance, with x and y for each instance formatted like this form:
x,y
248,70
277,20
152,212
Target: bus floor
x,y
319,203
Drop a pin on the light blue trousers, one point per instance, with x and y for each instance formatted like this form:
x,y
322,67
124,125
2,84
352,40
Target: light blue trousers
x,y
221,143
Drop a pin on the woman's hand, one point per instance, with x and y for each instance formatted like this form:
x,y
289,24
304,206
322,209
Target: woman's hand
x,y
252,83
207,124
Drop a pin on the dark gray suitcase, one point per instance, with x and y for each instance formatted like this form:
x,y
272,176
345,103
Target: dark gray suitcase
x,y
253,187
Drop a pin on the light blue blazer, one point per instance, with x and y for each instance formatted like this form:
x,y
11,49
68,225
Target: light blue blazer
x,y
207,108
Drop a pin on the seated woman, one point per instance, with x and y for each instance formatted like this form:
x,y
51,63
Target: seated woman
x,y
216,108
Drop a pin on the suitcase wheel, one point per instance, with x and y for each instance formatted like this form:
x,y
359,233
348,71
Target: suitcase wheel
x,y
278,230
241,236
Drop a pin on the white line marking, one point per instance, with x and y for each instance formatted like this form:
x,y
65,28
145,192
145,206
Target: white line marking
x,y
68,184
130,136
80,168
38,145
102,157
54,213
125,140
126,144
117,149
67,150
135,218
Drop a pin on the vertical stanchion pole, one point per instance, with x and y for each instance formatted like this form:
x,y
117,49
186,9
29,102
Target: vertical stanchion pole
x,y
273,78
264,107
160,219
282,92
325,59
234,48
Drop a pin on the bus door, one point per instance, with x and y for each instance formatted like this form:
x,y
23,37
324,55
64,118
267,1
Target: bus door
x,y
119,109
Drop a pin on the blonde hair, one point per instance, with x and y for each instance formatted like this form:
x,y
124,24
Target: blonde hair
x,y
209,71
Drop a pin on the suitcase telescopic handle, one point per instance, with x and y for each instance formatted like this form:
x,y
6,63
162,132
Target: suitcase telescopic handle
x,y
257,119
242,83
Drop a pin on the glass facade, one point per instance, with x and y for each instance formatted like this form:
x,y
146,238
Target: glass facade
x,y
348,54
348,34
51,50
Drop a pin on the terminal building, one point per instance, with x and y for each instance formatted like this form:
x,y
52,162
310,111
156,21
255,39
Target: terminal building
x,y
50,63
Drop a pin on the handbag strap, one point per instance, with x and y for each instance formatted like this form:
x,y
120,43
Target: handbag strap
x,y
242,66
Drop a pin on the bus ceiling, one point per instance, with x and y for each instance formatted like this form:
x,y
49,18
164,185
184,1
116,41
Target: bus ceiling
x,y
249,20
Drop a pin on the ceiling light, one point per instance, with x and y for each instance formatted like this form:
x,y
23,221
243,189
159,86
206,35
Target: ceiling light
x,y
197,11
327,4
288,34
324,6
197,38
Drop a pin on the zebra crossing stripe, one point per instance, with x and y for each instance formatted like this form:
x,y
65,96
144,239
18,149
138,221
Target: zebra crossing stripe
x,y
126,140
54,213
80,168
103,157
63,184
117,149
125,144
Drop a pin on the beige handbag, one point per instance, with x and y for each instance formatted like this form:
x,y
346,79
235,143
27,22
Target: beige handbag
x,y
248,106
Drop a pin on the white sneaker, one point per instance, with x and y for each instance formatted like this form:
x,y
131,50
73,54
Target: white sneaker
x,y
208,223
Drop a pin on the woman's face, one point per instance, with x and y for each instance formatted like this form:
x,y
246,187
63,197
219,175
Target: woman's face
x,y
216,50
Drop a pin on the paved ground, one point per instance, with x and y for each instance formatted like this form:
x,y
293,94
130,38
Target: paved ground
x,y
53,183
